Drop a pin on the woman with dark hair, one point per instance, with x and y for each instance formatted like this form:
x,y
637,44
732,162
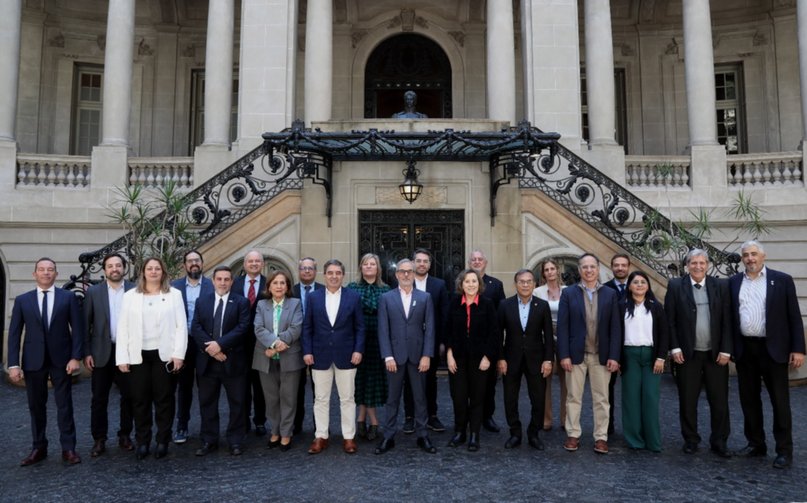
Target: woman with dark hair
x,y
472,345
551,285
371,375
278,355
643,356
152,335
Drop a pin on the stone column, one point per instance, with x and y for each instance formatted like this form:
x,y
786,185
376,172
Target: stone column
x,y
10,29
599,73
801,20
318,60
501,64
699,68
118,72
219,72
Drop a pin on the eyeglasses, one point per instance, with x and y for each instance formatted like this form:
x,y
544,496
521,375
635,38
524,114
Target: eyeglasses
x,y
525,282
404,271
306,268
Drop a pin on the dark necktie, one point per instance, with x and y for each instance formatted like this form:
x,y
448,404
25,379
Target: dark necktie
x,y
45,320
698,286
251,295
307,289
217,319
621,290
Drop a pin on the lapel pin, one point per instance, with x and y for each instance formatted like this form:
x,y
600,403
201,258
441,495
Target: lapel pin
x,y
414,303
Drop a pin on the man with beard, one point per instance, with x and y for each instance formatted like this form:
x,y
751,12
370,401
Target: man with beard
x,y
192,286
620,268
102,305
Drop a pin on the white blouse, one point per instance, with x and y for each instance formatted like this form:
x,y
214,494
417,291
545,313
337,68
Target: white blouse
x,y
639,327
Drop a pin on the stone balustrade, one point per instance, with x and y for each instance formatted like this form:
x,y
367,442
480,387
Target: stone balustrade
x,y
155,171
770,170
654,172
53,171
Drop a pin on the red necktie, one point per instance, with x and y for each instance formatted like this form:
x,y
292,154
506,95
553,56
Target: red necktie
x,y
251,295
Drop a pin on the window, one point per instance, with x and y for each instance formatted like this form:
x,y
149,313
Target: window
x,y
729,107
620,105
87,105
197,127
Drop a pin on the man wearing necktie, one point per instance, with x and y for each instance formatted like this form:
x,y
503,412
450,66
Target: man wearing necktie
x,y
54,332
620,268
220,325
252,285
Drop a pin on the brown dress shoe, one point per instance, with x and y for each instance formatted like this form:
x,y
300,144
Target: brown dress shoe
x,y
318,445
98,448
125,443
571,443
71,457
601,447
350,446
36,456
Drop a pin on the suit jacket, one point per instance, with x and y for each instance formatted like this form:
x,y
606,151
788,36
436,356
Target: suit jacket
x,y
64,340
436,287
536,343
234,328
173,328
572,325
682,313
98,334
482,339
611,283
238,288
289,329
494,290
295,290
406,338
661,339
181,283
333,344
784,332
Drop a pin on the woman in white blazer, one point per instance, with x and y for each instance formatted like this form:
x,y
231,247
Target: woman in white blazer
x,y
150,343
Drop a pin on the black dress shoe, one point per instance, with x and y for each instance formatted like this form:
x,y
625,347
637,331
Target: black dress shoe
x,y
236,450
284,447
125,443
490,425
206,449
536,443
142,451
385,445
782,461
36,456
98,448
513,441
260,430
271,444
426,445
721,451
457,440
161,451
71,457
409,425
752,451
690,448
473,442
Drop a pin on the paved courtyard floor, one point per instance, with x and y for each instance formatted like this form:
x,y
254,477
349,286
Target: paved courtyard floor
x,y
405,473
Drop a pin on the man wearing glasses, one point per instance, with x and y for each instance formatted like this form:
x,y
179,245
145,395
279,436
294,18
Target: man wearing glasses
x,y
307,271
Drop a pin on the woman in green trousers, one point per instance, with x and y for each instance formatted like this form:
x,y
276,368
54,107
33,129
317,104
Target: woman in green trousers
x,y
645,350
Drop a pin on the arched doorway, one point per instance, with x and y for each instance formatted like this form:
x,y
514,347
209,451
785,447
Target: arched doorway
x,y
403,62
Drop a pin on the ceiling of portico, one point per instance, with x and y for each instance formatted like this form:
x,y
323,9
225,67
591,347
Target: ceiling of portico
x,y
184,13
669,12
362,11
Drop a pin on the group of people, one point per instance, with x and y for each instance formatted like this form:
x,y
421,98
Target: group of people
x,y
262,338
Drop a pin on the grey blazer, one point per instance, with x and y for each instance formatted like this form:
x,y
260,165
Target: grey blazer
x,y
289,328
98,336
406,339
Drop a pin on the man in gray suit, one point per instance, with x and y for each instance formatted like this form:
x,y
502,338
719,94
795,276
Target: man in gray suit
x,y
102,304
406,339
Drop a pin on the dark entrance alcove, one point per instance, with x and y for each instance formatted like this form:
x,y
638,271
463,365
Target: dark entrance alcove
x,y
403,62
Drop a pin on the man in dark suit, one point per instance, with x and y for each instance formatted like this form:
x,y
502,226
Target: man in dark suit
x,y
54,331
528,350
102,305
435,287
494,290
192,286
620,268
768,336
406,338
333,343
589,343
252,285
697,308
307,271
220,325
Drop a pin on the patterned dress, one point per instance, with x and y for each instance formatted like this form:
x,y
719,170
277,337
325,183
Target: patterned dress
x,y
371,375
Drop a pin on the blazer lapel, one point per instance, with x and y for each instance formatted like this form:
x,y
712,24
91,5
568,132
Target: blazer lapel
x,y
686,287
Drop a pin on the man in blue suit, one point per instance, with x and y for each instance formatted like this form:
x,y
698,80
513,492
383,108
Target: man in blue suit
x,y
220,324
333,343
589,343
406,340
768,336
192,286
54,331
